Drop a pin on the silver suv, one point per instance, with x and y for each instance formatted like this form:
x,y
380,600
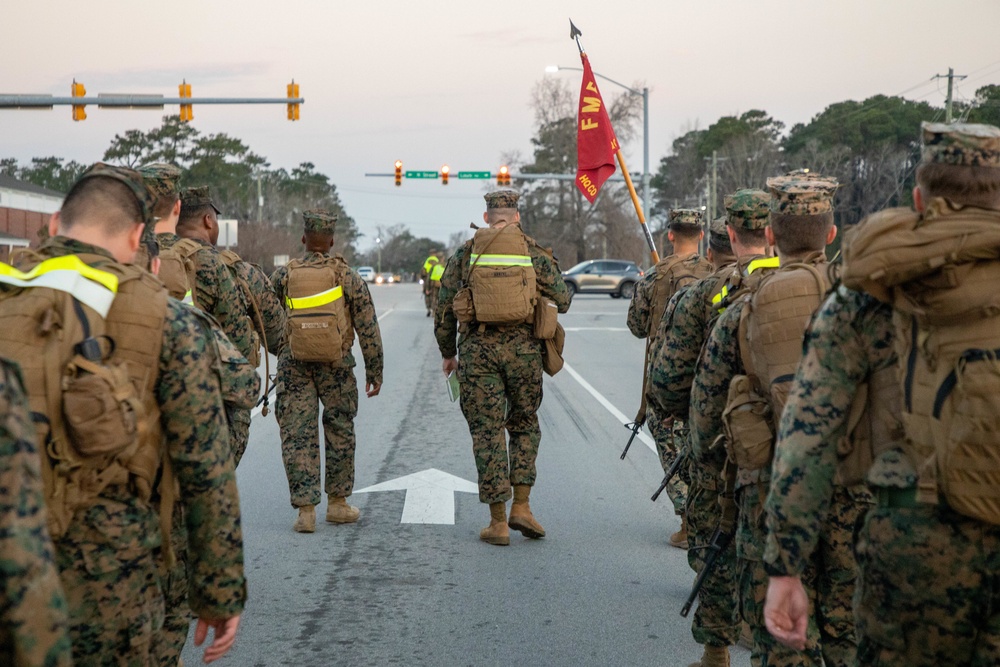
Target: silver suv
x,y
616,277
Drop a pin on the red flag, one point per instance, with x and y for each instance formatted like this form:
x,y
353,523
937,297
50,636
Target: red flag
x,y
596,143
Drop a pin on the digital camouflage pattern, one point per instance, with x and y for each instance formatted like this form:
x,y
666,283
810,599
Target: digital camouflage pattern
x,y
195,198
319,220
33,614
109,557
301,387
966,144
161,178
748,208
502,199
685,217
500,376
809,194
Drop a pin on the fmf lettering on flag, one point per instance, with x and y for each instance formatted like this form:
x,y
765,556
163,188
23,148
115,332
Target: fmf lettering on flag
x,y
596,144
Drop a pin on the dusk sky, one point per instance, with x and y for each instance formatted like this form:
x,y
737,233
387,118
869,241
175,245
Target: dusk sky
x,y
433,83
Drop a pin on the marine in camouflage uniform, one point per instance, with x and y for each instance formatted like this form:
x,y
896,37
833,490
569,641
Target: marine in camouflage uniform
x,y
832,573
425,274
686,323
927,592
649,300
217,293
500,376
109,558
303,385
33,624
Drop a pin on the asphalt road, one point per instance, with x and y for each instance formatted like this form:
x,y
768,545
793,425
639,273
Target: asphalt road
x,y
602,588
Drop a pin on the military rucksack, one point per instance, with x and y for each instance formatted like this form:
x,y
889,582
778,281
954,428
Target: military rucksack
x,y
939,271
319,322
178,270
257,333
87,334
673,274
501,276
771,328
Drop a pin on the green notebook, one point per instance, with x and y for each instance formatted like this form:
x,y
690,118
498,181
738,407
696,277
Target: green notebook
x,y
452,386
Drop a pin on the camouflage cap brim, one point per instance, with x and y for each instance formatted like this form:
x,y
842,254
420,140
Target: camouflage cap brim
x,y
963,144
796,195
319,220
502,199
748,208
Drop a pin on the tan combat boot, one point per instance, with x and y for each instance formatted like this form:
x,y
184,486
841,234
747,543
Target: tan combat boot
x,y
680,538
714,656
306,523
338,511
520,514
497,532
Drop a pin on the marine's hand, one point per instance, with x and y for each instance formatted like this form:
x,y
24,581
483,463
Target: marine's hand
x,y
224,630
373,388
449,365
786,611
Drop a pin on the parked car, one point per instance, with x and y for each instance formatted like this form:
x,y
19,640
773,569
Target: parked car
x,y
616,277
367,273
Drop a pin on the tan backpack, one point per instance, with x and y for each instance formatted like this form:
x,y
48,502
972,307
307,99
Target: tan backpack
x,y
319,322
939,271
178,270
233,261
501,277
672,275
87,334
772,325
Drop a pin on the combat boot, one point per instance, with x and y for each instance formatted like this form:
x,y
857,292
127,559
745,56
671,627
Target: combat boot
x,y
520,514
306,523
680,538
497,532
338,511
714,656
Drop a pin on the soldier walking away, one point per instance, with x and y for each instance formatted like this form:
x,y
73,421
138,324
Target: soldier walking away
x,y
147,361
649,300
325,303
686,323
489,293
899,377
425,275
33,625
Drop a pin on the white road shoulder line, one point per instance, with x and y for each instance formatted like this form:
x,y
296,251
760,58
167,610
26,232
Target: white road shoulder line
x,y
595,328
618,414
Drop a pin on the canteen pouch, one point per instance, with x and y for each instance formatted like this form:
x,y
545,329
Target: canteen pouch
x,y
747,421
463,307
546,318
552,349
100,407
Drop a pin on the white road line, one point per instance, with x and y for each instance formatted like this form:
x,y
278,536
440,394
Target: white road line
x,y
386,314
595,328
618,414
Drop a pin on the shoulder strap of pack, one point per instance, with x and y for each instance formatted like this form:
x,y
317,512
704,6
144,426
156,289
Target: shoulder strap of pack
x,y
229,257
186,247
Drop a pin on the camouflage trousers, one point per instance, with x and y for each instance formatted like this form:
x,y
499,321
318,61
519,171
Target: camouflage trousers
x,y
500,376
239,433
829,581
715,620
300,388
168,644
115,606
929,591
671,438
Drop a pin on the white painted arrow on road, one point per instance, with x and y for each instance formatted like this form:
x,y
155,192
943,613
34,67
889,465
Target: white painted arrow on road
x,y
430,495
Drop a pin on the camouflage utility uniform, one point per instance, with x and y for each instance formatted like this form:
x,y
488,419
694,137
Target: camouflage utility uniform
x,y
33,623
643,322
500,375
302,386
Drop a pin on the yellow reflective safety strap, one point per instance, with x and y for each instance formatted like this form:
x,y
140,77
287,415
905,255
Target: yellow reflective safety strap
x,y
188,300
763,263
70,274
720,296
501,260
316,300
437,272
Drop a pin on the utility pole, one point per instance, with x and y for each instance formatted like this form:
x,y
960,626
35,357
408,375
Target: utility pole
x,y
714,201
951,76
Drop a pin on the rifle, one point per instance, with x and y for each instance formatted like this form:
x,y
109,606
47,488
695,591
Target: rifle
x,y
635,427
673,470
719,542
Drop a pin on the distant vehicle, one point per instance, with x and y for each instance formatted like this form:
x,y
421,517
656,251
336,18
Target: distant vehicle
x,y
616,277
367,273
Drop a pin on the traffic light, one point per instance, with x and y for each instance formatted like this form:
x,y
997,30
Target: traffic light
x,y
79,112
187,111
503,176
293,93
444,175
399,172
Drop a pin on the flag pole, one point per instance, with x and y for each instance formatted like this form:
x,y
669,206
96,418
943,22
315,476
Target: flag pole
x,y
574,34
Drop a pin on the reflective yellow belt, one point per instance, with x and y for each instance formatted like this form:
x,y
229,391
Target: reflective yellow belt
x,y
316,300
70,274
501,260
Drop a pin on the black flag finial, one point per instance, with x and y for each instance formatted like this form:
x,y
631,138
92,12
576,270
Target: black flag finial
x,y
574,32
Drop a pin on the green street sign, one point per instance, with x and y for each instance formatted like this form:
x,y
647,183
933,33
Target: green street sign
x,y
474,174
421,174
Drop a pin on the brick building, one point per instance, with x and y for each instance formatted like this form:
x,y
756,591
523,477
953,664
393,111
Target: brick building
x,y
24,209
